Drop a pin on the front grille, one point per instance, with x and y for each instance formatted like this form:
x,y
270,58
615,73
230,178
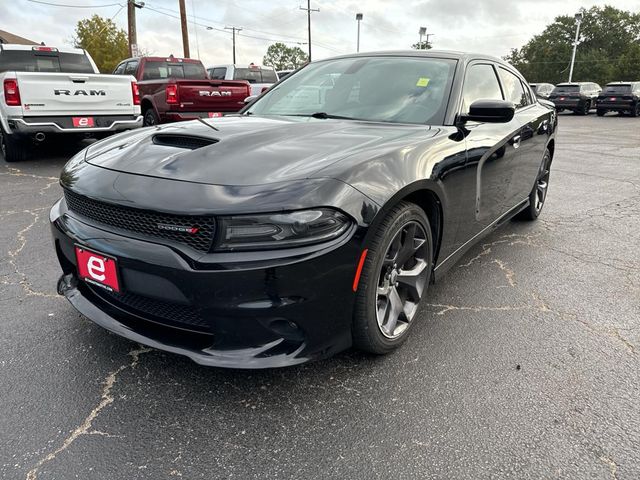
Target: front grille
x,y
168,313
145,222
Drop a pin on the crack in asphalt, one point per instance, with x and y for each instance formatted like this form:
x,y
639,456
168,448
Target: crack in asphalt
x,y
85,428
23,281
541,305
613,467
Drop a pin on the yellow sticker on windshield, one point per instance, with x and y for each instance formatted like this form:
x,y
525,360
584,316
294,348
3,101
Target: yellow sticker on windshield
x,y
422,82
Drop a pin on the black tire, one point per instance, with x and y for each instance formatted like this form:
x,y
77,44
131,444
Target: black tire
x,y
587,107
601,112
533,210
13,147
636,111
150,118
367,332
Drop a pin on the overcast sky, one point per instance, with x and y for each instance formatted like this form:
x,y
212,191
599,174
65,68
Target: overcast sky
x,y
488,26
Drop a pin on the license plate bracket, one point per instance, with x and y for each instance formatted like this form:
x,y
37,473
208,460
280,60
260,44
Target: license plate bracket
x,y
83,122
98,269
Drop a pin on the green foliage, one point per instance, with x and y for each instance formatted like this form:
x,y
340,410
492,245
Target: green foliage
x,y
608,49
281,57
104,41
424,45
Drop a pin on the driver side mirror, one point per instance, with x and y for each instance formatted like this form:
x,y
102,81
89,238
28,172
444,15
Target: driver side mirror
x,y
490,111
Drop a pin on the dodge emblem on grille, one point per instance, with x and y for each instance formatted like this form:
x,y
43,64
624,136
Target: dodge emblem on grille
x,y
177,228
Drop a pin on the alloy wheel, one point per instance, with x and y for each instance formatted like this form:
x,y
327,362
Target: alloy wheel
x,y
402,279
542,185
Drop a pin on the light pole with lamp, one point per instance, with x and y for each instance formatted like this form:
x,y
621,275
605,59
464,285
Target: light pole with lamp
x,y
578,16
421,32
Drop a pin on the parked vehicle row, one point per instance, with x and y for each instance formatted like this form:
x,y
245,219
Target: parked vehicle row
x,y
582,97
49,91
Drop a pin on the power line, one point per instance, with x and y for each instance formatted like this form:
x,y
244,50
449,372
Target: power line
x,y
75,6
209,27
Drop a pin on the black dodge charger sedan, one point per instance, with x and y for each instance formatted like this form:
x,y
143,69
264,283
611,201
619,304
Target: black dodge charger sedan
x,y
314,219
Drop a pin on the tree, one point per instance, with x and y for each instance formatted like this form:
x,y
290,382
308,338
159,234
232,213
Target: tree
x,y
607,51
424,45
281,57
104,41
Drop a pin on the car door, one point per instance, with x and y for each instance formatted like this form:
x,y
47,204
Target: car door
x,y
491,154
531,143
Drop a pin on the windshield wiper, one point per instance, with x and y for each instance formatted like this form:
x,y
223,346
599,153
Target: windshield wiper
x,y
323,115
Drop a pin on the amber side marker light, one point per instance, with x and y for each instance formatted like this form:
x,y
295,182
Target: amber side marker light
x,y
356,279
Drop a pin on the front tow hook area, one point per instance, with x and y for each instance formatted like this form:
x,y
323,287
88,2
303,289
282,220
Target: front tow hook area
x,y
66,283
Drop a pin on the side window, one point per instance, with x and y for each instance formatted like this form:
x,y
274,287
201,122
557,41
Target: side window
x,y
480,83
529,97
218,73
513,90
131,68
119,69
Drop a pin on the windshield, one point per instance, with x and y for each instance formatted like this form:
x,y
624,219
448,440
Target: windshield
x,y
617,89
567,89
155,70
32,61
255,75
381,89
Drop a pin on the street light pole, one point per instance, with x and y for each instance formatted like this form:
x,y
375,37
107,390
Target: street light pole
x,y
358,18
578,17
421,32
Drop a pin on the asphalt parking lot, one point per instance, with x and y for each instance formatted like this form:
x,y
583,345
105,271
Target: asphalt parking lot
x,y
525,362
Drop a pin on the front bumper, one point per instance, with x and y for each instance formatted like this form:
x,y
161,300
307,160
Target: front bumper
x,y
64,125
270,313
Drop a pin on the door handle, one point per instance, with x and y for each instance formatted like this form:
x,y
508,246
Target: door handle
x,y
516,141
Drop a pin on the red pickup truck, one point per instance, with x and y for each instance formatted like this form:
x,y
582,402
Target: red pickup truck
x,y
174,89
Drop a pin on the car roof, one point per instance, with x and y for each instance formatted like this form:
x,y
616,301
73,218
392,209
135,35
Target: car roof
x,y
162,59
241,65
14,46
453,54
620,83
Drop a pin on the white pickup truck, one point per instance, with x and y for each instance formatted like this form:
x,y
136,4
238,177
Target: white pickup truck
x,y
260,78
59,91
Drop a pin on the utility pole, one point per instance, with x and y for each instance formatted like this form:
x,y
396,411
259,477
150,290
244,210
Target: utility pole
x,y
309,10
578,16
185,30
234,30
358,18
131,20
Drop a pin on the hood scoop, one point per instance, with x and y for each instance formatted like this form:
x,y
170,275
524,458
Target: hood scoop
x,y
189,142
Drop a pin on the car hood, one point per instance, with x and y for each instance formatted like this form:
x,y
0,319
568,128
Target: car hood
x,y
246,150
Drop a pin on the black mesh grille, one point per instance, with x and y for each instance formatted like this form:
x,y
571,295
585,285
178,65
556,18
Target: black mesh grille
x,y
145,222
169,313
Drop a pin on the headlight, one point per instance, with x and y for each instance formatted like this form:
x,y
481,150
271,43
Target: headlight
x,y
280,230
